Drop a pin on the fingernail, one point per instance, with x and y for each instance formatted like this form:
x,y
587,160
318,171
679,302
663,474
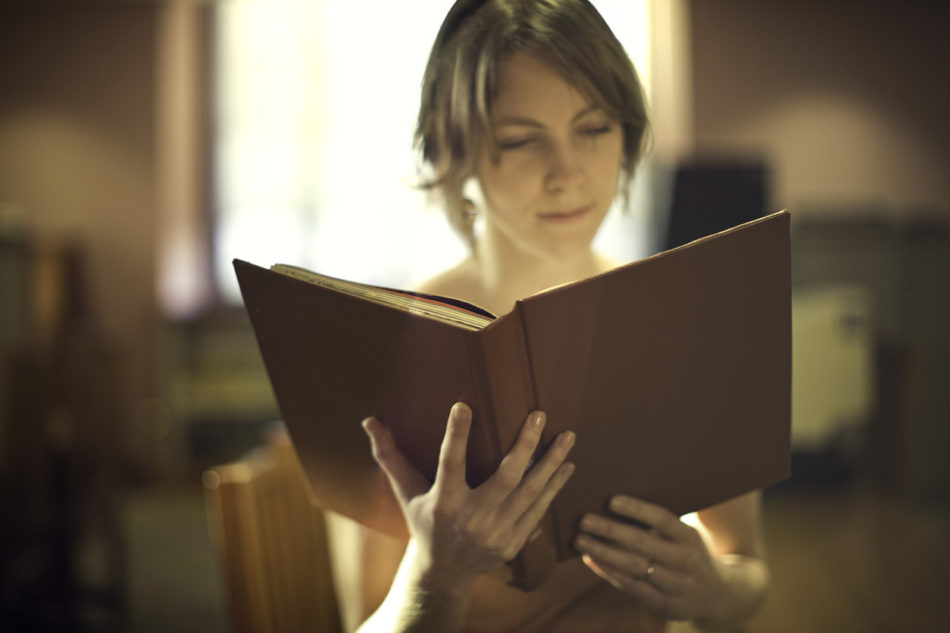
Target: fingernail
x,y
539,419
567,439
619,503
461,412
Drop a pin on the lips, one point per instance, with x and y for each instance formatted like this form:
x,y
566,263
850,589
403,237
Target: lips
x,y
565,215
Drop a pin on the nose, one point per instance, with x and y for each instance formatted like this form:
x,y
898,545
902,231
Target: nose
x,y
564,169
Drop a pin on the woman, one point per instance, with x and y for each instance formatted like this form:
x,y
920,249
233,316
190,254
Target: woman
x,y
532,117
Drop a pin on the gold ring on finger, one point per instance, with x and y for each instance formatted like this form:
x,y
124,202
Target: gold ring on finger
x,y
648,574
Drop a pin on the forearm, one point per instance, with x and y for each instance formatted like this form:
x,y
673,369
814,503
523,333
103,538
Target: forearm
x,y
419,603
746,580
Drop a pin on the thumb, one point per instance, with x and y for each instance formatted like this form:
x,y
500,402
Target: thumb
x,y
406,482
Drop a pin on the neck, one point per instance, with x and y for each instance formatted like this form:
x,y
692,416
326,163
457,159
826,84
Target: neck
x,y
509,273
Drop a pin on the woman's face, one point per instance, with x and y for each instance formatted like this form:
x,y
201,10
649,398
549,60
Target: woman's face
x,y
559,162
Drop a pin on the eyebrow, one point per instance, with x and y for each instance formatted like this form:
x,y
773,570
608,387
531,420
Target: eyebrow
x,y
518,120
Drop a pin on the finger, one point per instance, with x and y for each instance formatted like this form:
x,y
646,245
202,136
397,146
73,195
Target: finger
x,y
644,590
529,518
513,466
405,480
604,572
535,482
662,520
630,563
627,575
633,538
451,471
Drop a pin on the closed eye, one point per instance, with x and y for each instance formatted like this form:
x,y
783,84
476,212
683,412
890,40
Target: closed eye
x,y
597,130
515,143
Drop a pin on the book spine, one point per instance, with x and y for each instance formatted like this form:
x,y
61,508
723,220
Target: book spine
x,y
511,385
484,446
539,556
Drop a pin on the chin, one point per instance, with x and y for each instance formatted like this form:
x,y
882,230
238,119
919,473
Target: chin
x,y
566,247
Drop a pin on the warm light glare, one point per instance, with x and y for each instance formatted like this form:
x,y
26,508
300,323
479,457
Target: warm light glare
x,y
315,116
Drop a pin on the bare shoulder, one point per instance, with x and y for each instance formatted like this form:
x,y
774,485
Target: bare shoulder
x,y
460,282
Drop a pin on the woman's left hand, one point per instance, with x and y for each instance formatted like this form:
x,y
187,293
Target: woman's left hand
x,y
665,563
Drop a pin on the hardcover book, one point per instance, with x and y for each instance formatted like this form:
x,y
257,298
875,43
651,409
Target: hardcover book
x,y
674,372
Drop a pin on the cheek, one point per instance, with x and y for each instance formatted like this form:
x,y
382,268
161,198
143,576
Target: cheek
x,y
511,184
608,169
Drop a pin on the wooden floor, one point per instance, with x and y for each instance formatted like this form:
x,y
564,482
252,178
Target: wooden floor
x,y
848,560
842,560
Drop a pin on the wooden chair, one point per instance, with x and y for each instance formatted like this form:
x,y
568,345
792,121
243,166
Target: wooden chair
x,y
272,541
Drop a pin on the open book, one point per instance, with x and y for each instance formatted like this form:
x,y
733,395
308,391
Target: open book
x,y
674,371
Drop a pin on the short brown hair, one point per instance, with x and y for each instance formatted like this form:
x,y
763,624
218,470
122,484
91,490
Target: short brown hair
x,y
460,82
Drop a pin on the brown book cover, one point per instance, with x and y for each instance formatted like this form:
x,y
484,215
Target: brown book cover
x,y
674,371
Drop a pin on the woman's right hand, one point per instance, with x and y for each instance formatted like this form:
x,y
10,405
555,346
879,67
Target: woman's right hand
x,y
456,532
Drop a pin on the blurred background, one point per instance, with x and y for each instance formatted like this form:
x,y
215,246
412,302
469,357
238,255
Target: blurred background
x,y
143,145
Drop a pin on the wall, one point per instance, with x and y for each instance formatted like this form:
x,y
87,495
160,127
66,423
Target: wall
x,y
849,103
846,98
76,154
